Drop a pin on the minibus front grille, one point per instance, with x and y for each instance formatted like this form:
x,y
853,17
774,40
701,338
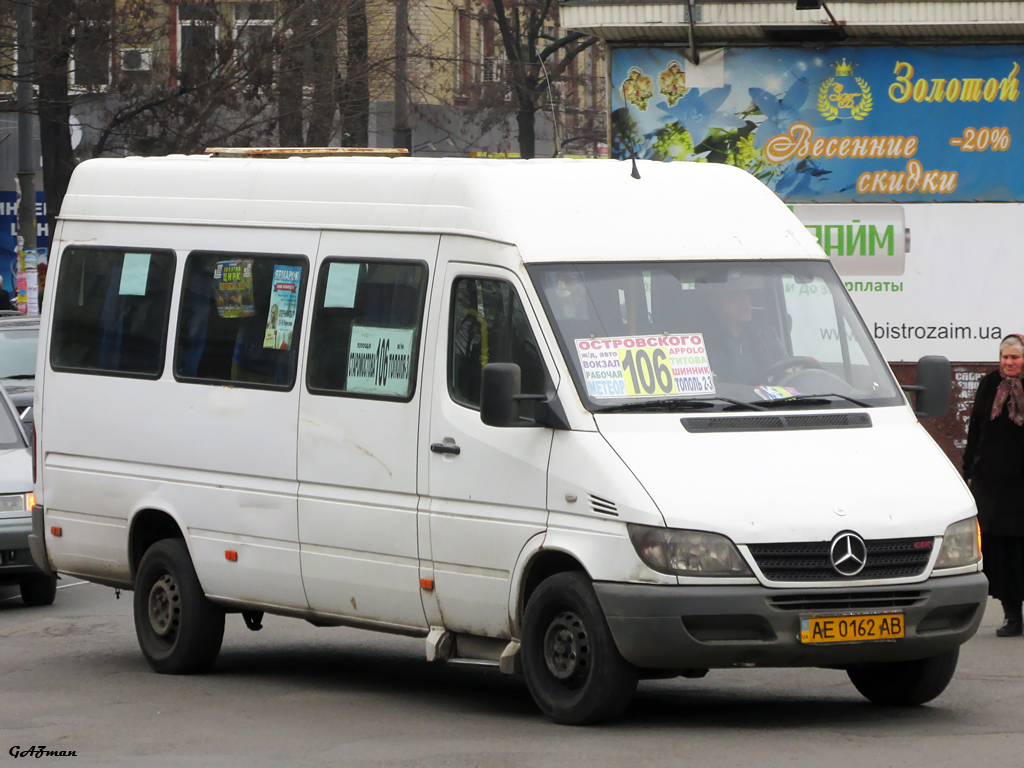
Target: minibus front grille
x,y
842,601
810,561
775,423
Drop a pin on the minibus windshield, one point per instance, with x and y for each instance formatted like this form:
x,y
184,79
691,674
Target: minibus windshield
x,y
712,336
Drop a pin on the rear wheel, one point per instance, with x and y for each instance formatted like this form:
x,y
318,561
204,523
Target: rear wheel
x,y
39,590
179,630
905,683
572,667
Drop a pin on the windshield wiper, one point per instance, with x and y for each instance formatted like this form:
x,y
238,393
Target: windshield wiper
x,y
19,376
809,400
672,405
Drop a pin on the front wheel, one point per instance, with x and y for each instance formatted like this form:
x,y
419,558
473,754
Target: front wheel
x,y
905,683
572,667
179,630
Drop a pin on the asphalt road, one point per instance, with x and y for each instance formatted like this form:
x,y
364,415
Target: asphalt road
x,y
72,678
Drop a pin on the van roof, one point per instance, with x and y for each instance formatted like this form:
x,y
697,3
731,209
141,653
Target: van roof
x,y
552,210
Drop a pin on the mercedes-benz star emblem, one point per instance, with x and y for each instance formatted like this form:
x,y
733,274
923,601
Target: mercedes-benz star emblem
x,y
849,554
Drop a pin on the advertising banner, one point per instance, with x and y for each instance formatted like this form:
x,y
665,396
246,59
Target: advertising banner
x,y
862,239
9,237
928,279
955,296
232,284
843,124
284,306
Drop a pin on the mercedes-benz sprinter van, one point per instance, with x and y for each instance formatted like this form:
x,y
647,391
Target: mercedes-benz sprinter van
x,y
574,422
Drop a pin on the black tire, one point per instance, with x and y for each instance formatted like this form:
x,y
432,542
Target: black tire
x,y
179,630
572,667
905,683
39,590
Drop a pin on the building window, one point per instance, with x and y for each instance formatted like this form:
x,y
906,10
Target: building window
x,y
254,13
464,65
254,35
493,70
197,36
91,51
254,23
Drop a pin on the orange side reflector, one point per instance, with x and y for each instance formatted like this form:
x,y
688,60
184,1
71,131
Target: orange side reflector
x,y
427,584
56,530
231,555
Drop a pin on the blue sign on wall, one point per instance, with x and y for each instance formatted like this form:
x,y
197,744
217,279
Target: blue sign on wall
x,y
844,124
9,233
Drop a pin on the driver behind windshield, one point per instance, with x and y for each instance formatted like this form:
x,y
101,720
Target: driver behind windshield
x,y
740,347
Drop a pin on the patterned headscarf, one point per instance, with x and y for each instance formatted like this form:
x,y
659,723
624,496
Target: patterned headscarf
x,y
1010,390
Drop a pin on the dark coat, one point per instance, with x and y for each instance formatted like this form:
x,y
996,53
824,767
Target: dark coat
x,y
744,359
994,464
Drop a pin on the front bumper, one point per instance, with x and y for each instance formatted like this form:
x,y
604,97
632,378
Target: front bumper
x,y
694,627
15,559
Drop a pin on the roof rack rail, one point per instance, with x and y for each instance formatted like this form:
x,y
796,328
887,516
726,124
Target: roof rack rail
x,y
305,152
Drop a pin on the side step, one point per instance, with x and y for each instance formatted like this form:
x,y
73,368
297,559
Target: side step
x,y
477,663
462,650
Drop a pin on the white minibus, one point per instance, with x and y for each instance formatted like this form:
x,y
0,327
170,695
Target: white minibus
x,y
574,420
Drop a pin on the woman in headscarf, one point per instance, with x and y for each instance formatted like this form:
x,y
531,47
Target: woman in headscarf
x,y
994,468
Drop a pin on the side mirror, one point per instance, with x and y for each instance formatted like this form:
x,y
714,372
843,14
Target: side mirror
x,y
500,385
933,388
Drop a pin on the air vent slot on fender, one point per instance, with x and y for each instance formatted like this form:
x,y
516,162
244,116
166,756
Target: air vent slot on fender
x,y
603,506
775,423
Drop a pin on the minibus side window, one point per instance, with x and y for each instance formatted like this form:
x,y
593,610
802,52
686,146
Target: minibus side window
x,y
489,325
240,318
111,312
367,319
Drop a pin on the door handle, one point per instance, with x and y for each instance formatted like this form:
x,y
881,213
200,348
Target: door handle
x,y
453,449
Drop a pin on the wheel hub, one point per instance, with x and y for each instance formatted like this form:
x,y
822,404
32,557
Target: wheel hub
x,y
566,646
163,606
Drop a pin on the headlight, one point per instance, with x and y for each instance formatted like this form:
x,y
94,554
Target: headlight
x,y
687,553
14,503
961,544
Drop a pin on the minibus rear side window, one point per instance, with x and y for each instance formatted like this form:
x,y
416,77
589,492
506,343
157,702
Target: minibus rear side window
x,y
240,318
365,336
111,312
